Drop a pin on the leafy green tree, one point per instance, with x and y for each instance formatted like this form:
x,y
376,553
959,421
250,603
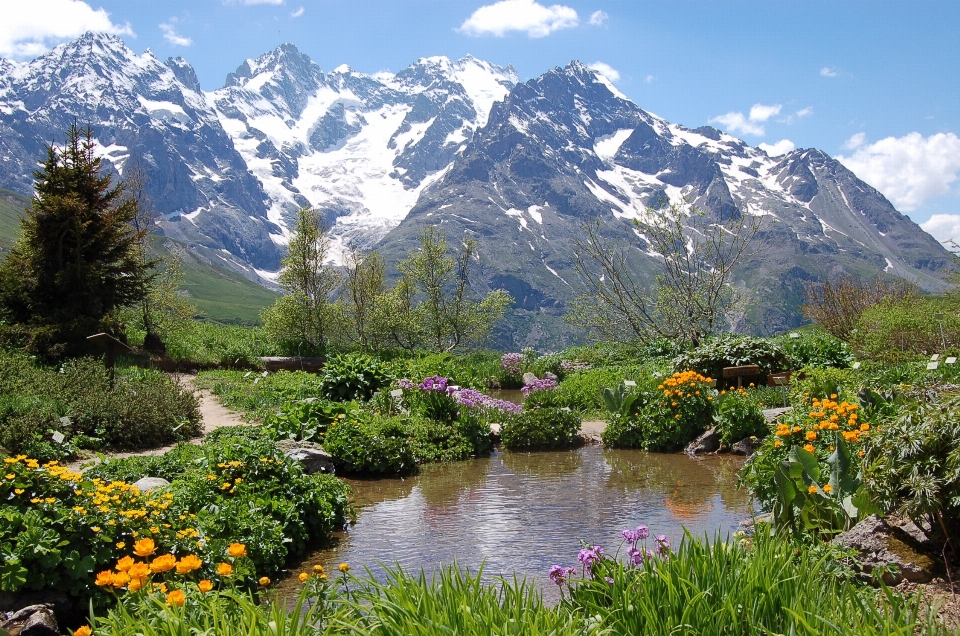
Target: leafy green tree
x,y
447,314
363,292
692,289
78,258
305,314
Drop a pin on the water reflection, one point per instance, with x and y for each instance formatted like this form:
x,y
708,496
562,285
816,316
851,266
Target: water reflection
x,y
523,512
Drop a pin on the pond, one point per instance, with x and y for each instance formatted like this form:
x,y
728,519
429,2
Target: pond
x,y
524,512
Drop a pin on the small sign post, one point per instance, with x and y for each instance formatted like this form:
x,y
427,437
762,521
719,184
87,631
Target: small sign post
x,y
111,346
746,371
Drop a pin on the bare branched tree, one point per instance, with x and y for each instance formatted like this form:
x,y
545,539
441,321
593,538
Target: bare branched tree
x,y
692,289
837,305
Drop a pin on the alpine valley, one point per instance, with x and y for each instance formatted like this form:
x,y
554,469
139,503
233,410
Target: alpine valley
x,y
520,166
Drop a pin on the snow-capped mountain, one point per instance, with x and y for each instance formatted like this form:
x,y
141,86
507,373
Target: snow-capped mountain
x,y
463,144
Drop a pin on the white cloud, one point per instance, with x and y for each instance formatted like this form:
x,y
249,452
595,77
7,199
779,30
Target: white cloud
x,y
826,71
29,31
519,15
761,112
297,13
598,18
804,112
943,227
908,170
650,78
606,70
736,122
782,147
856,140
170,34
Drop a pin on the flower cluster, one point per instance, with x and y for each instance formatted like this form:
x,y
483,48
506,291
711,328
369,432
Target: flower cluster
x,y
510,362
597,565
821,426
546,384
481,401
436,383
568,367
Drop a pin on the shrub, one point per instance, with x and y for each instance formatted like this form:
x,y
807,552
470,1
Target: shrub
x,y
542,429
510,375
897,331
711,357
257,394
815,348
367,444
583,390
433,441
305,420
838,306
353,376
738,417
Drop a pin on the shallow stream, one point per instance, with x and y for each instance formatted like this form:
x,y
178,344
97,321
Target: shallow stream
x,y
524,512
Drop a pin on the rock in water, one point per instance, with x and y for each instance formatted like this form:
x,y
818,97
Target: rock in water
x,y
706,443
529,378
33,620
314,460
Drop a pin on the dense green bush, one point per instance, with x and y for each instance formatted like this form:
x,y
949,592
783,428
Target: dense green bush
x,y
815,348
144,409
353,376
305,420
367,444
825,382
894,331
541,429
583,390
739,416
712,356
208,344
433,441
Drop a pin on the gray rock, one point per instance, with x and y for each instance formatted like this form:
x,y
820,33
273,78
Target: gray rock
x,y
529,378
706,443
149,483
64,610
773,414
314,460
881,545
33,620
551,376
743,447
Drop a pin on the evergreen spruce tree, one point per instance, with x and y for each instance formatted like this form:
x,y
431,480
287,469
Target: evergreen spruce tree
x,y
78,259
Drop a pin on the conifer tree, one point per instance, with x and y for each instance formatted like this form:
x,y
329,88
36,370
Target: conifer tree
x,y
78,259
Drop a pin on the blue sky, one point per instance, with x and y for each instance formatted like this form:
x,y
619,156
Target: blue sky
x,y
873,83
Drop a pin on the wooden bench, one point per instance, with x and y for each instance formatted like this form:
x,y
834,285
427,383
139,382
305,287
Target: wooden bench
x,y
746,371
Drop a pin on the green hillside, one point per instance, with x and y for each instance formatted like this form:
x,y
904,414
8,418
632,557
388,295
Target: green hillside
x,y
220,294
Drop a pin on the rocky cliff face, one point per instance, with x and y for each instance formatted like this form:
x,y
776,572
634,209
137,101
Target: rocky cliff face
x,y
462,144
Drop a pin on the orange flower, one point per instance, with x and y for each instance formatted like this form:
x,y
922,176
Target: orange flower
x,y
828,488
224,569
135,584
318,569
809,448
163,563
264,581
124,564
144,547
176,597
188,564
139,570
812,489
120,579
205,585
237,550
83,631
303,577
777,444
344,567
104,578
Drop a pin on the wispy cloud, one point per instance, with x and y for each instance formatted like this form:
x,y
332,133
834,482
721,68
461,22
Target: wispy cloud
x,y
908,170
29,31
650,78
782,147
800,114
599,18
826,71
943,227
606,70
526,16
297,13
751,124
170,34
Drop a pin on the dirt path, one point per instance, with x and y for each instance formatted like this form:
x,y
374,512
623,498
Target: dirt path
x,y
213,415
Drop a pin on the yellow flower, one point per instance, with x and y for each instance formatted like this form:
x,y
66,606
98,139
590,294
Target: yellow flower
x,y
205,585
83,631
237,550
318,569
809,448
176,597
188,564
264,581
135,584
95,528
120,579
226,485
124,564
163,563
777,444
121,545
104,578
812,489
144,547
18,491
811,435
139,570
303,576
828,488
11,476
224,569
344,567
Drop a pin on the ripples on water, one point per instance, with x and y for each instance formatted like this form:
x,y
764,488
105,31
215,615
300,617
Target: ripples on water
x,y
523,512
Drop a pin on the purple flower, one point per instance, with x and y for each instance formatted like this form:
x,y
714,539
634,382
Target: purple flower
x,y
434,383
588,557
558,574
632,536
663,545
638,556
545,384
511,362
404,383
642,532
609,579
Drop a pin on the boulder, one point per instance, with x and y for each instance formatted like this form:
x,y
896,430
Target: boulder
x,y
145,484
63,607
314,460
773,414
743,447
529,378
32,620
881,545
706,443
551,376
